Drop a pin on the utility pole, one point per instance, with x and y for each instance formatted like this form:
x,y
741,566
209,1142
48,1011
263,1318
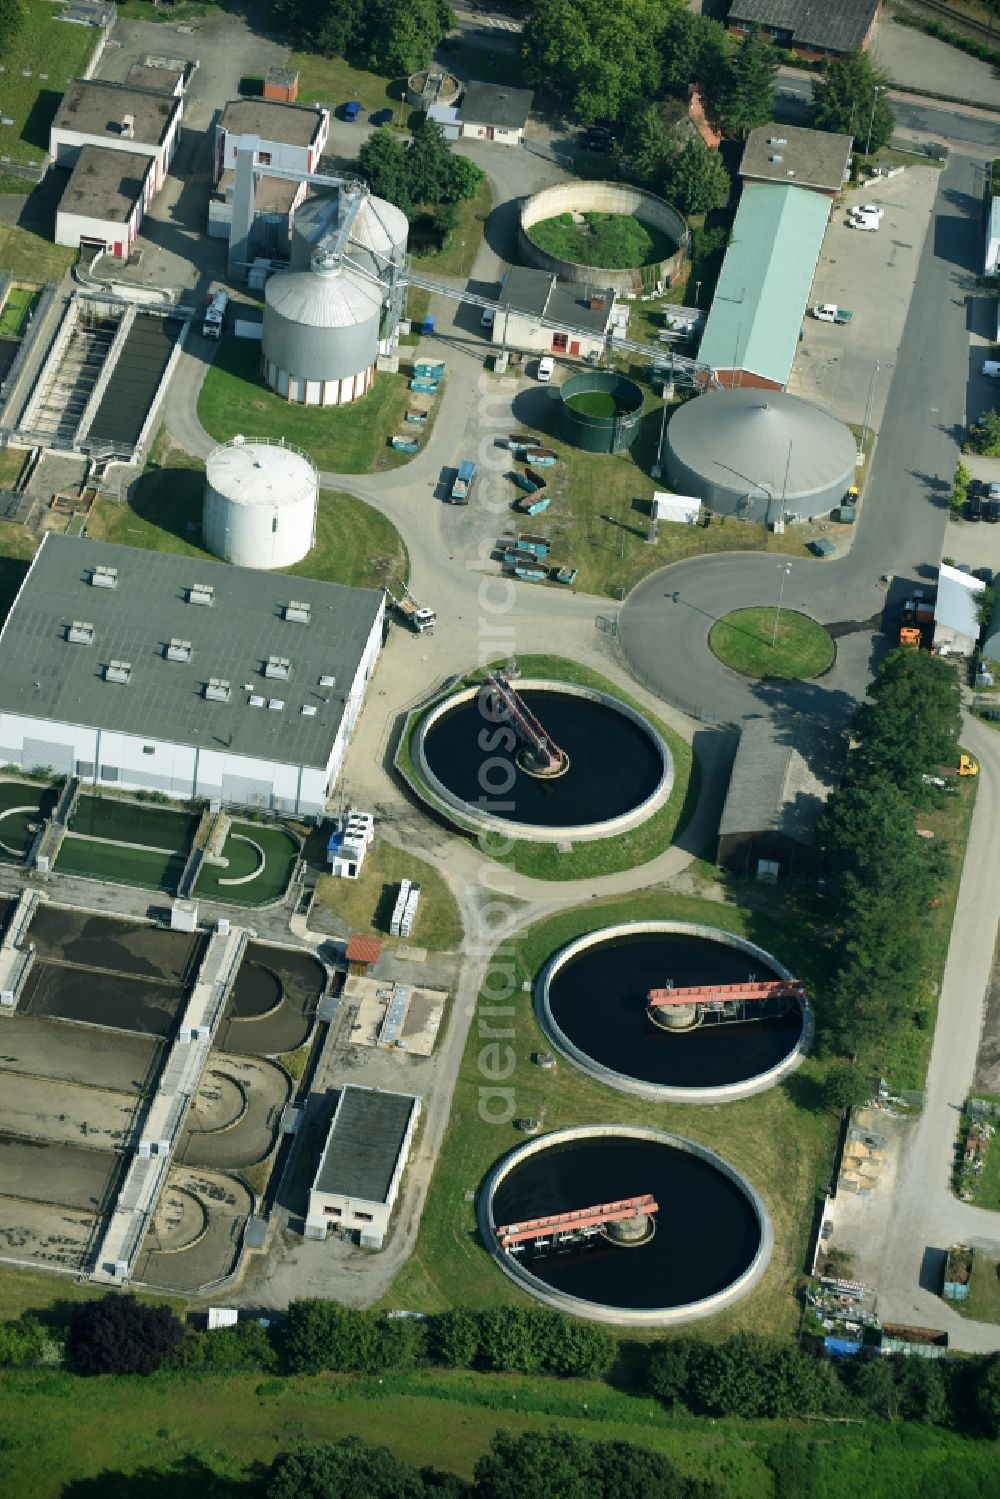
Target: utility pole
x,y
786,569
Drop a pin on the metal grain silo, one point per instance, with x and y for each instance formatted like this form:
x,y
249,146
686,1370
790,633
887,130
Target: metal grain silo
x,y
321,333
260,503
378,234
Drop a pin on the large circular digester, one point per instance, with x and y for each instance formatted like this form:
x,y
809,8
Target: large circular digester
x,y
321,332
260,503
599,411
378,235
760,455
578,199
656,1230
674,1011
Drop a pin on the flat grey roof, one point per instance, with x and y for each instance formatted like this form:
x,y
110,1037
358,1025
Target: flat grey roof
x,y
94,106
272,195
164,80
281,77
44,675
363,1146
493,104
105,184
780,781
808,158
539,294
289,124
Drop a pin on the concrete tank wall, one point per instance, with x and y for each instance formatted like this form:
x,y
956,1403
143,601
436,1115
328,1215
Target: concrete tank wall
x,y
260,504
604,197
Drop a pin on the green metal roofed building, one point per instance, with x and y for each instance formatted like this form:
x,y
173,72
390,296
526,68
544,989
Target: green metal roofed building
x,y
753,328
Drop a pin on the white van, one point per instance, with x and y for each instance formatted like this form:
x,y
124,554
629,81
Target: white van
x,y
863,221
991,369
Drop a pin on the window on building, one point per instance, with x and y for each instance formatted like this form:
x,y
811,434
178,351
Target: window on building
x,y
363,1217
149,749
263,158
109,772
85,768
333,1212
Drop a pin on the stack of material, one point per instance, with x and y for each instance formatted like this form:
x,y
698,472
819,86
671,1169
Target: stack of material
x,y
404,912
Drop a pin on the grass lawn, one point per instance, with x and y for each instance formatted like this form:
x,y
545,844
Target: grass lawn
x,y
349,439
152,869
108,817
12,461
18,306
983,1304
544,861
355,544
365,904
785,1150
599,518
613,241
987,1189
280,852
44,45
903,1061
24,254
207,1433
17,548
462,248
333,81
747,641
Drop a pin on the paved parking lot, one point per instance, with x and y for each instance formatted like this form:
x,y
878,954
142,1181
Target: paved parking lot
x,y
873,275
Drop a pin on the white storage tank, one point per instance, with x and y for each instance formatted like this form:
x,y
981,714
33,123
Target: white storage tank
x,y
260,503
321,333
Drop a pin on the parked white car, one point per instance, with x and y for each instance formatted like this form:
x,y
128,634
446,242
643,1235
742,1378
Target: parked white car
x,y
866,221
546,368
871,210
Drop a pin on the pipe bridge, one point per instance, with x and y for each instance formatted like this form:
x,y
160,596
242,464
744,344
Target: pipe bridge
x,y
578,1221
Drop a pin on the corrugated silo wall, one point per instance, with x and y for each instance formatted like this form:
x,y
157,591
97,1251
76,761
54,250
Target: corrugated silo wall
x,y
312,353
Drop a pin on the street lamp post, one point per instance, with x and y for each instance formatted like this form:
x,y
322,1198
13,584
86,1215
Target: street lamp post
x,y
786,569
878,89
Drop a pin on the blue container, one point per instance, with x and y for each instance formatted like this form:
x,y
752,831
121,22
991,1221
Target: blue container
x,y
427,326
352,110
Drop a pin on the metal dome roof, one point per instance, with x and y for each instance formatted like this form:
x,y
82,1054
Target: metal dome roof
x,y
771,441
261,472
323,298
378,225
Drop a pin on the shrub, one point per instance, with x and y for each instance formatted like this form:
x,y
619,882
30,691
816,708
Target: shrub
x,y
120,1335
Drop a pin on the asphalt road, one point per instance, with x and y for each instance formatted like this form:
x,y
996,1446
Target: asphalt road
x,y
664,625
939,121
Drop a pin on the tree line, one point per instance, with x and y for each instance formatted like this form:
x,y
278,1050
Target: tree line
x,y
392,37
883,878
747,1375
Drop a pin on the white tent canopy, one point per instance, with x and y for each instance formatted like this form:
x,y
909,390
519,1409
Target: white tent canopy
x,y
676,507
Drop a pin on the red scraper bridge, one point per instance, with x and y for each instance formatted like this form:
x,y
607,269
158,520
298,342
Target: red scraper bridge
x,y
720,994
545,756
581,1222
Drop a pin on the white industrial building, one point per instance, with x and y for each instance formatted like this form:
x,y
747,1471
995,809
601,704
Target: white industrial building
x,y
489,112
260,504
119,117
529,295
289,138
361,1168
104,201
991,257
149,671
956,612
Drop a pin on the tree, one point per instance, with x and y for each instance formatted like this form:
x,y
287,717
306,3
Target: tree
x,y
120,1335
912,721
575,1350
508,1339
694,49
875,1384
599,60
984,436
846,1086
545,1464
401,35
382,163
987,1397
455,1338
668,1370
330,27
747,95
345,1469
922,1391
695,178
852,98
11,22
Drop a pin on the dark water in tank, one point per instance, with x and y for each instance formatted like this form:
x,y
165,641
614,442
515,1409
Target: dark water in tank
x,y
706,1230
598,1000
614,765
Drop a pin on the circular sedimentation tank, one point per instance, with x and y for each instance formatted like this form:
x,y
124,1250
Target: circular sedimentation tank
x,y
599,411
580,198
260,503
706,1244
592,999
472,761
